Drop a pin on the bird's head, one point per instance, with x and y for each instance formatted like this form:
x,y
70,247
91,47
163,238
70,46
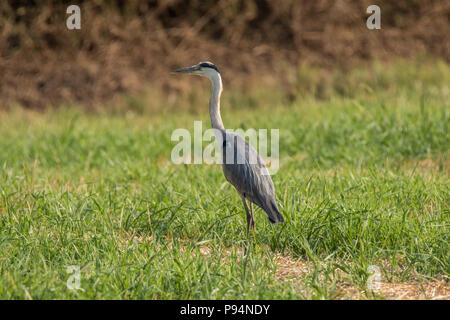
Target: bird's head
x,y
206,69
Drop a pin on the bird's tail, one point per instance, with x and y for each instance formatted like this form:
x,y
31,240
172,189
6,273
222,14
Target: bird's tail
x,y
273,213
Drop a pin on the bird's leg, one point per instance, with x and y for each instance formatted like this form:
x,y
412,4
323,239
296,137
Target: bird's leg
x,y
249,217
252,221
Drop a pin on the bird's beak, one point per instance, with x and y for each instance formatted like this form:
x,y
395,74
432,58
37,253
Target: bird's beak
x,y
187,70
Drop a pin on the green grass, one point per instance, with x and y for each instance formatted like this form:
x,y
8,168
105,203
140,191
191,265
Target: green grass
x,y
363,180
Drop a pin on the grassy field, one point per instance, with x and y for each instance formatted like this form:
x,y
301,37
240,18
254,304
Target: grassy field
x,y
363,180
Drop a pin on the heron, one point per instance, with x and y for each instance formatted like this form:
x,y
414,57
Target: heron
x,y
244,169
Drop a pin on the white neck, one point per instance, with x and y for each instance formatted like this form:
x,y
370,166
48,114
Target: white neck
x,y
214,101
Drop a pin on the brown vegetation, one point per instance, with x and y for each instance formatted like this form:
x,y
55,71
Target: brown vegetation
x,y
124,46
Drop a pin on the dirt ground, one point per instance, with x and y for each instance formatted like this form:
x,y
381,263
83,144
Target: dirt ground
x,y
291,269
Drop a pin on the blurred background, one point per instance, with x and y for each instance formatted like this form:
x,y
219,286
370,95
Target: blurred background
x,y
126,47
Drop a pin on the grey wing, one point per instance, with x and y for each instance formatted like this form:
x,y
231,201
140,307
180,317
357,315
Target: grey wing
x,y
246,171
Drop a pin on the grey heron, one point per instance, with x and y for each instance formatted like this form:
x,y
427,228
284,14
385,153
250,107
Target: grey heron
x,y
249,176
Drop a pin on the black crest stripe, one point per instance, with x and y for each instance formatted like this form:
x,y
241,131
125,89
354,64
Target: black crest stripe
x,y
209,65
